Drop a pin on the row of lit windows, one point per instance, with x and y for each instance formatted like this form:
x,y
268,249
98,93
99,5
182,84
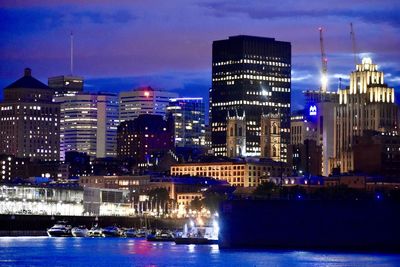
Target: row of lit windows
x,y
251,77
251,61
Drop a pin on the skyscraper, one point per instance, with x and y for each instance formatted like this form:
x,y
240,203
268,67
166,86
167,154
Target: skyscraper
x,y
144,100
189,121
29,120
66,85
89,124
368,104
251,76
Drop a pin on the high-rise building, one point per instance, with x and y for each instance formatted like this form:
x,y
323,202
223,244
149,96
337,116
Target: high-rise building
x,y
250,75
89,124
367,104
145,139
144,100
319,117
189,121
29,120
66,85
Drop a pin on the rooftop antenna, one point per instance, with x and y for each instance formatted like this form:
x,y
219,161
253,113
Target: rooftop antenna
x,y
72,53
353,41
324,61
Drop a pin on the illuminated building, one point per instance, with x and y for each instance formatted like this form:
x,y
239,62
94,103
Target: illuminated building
x,y
242,173
29,120
144,100
66,85
270,139
236,135
367,104
145,139
12,167
189,121
89,124
250,75
318,125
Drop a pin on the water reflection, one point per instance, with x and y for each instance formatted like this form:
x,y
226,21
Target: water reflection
x,y
138,252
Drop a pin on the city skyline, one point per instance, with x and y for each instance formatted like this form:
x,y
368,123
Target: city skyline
x,y
131,35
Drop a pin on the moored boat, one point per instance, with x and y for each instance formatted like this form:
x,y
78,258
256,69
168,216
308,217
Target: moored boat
x,y
141,232
161,236
95,231
111,231
130,232
80,231
60,229
199,234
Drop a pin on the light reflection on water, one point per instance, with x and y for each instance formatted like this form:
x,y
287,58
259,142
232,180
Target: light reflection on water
x,y
44,251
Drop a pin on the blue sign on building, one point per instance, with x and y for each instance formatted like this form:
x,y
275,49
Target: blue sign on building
x,y
313,110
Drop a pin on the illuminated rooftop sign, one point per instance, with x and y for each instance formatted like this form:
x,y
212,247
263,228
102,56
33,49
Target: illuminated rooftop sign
x,y
313,111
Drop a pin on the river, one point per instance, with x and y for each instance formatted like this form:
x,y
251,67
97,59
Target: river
x,y
46,251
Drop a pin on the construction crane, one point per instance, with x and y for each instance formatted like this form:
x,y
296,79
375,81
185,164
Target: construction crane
x,y
353,41
324,60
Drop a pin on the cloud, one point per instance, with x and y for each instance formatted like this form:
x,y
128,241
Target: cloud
x,y
373,12
32,20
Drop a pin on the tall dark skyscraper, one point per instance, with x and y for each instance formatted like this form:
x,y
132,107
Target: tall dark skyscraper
x,y
251,77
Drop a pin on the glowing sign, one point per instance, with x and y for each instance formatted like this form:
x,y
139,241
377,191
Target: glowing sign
x,y
313,111
146,94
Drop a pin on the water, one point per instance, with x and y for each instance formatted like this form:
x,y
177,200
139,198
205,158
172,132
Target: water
x,y
45,251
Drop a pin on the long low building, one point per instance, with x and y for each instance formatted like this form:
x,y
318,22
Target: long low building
x,y
244,173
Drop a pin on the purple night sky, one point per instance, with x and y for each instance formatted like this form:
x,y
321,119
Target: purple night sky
x,y
120,45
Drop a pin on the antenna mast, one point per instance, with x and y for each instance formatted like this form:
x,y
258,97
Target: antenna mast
x,y
72,53
353,41
324,61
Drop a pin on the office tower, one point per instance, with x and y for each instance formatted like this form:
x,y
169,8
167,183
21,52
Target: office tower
x,y
29,120
143,100
368,104
319,117
66,85
145,139
305,145
250,75
189,121
89,124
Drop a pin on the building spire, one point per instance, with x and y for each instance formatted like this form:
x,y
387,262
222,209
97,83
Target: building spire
x,y
72,53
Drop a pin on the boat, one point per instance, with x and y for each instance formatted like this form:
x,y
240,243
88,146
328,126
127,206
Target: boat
x,y
60,229
111,231
199,234
80,231
141,232
95,231
161,236
130,232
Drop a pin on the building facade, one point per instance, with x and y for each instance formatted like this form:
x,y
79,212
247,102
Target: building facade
x,y
145,139
377,154
66,85
189,120
89,124
237,173
367,104
143,100
250,75
29,120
